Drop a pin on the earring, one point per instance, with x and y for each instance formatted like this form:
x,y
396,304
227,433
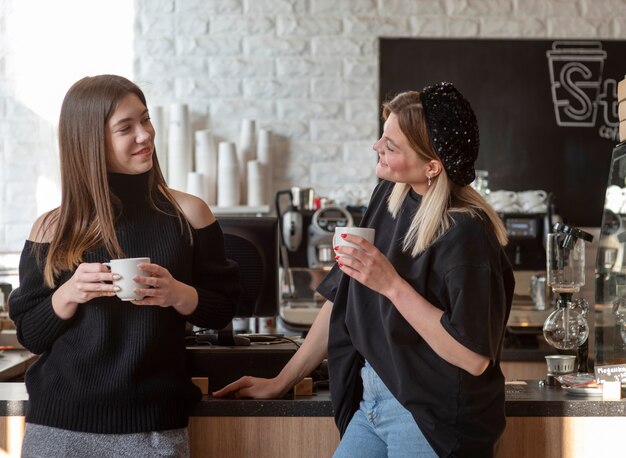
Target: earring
x,y
429,181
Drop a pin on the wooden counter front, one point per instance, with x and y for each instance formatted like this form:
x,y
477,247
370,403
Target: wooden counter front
x,y
541,422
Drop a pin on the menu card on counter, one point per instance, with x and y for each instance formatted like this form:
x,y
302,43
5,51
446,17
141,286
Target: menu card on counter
x,y
611,378
612,373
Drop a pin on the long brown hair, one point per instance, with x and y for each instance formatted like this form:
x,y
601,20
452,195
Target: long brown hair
x,y
86,216
433,218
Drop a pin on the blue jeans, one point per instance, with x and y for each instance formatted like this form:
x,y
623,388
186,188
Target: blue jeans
x,y
381,427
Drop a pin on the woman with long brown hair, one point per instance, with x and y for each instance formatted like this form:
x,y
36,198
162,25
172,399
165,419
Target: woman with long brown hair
x,y
111,377
414,323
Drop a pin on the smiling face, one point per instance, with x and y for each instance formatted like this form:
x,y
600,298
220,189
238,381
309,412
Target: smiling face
x,y
398,161
129,138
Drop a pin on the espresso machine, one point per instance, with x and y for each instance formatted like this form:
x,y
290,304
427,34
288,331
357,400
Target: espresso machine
x,y
307,229
526,251
320,233
291,217
527,231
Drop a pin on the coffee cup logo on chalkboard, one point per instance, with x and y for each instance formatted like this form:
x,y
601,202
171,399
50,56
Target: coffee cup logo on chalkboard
x,y
576,78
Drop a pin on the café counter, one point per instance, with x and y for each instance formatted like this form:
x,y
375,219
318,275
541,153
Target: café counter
x,y
541,421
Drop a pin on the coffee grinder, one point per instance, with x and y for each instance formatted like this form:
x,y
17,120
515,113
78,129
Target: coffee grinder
x,y
320,234
566,327
291,223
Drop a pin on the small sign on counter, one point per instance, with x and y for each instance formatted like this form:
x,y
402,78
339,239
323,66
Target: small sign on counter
x,y
611,378
612,373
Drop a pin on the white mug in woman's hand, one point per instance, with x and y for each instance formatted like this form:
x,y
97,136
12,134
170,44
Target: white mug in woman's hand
x,y
366,232
127,269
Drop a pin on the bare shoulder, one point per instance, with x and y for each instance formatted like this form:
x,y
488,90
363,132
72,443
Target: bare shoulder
x,y
43,228
195,209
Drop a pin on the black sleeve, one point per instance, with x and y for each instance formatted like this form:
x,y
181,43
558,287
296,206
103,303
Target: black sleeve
x,y
478,309
30,305
215,278
478,290
328,286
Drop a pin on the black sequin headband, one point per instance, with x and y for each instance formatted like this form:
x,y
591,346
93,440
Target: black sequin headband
x,y
453,130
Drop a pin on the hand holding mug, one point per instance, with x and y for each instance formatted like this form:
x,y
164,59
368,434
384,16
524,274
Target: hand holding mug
x,y
159,287
366,232
89,281
360,259
144,283
124,271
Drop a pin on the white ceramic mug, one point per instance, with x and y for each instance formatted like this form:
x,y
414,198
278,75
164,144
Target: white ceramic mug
x,y
615,198
502,199
531,200
366,232
127,269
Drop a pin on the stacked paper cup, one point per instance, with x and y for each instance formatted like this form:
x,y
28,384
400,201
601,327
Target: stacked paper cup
x,y
246,151
228,182
206,163
621,98
157,117
196,185
257,185
264,156
179,147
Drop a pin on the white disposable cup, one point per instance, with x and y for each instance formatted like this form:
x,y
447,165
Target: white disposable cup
x,y
367,233
127,269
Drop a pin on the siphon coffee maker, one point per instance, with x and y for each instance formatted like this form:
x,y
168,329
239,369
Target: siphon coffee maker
x,y
566,327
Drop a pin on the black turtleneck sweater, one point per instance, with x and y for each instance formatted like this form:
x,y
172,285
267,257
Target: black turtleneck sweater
x,y
115,367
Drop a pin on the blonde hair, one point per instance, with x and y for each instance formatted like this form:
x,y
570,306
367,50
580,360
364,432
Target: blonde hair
x,y
86,217
433,217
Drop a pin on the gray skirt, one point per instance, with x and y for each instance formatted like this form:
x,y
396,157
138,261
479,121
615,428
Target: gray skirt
x,y
44,441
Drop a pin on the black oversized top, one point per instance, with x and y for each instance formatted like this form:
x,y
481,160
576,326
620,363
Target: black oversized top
x,y
115,367
466,274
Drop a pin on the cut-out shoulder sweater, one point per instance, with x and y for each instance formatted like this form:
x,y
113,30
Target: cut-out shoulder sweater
x,y
115,367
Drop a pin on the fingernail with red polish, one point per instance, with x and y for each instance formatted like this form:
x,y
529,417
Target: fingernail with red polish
x,y
336,247
340,265
343,236
336,257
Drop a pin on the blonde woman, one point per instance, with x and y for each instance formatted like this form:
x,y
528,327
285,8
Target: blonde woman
x,y
414,323
111,379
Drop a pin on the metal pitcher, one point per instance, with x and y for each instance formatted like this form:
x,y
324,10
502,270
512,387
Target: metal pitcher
x,y
539,291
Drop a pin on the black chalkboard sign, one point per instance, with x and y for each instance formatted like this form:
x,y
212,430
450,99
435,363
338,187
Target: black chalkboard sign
x,y
547,109
612,373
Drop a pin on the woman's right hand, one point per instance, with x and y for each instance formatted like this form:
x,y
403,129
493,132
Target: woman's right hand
x,y
253,387
310,354
87,283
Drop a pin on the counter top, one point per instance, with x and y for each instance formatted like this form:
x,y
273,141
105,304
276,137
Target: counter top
x,y
523,399
14,362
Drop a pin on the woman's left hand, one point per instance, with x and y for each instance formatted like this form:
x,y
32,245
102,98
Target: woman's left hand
x,y
160,287
366,264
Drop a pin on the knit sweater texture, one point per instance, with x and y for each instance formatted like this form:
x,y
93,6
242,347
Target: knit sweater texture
x,y
115,367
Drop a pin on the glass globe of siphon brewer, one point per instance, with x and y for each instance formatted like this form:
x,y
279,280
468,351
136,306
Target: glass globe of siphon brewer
x,y
566,327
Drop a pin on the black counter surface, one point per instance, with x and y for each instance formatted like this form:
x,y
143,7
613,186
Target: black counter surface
x,y
523,399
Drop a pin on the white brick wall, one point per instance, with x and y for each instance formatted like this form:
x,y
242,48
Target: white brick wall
x,y
306,69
